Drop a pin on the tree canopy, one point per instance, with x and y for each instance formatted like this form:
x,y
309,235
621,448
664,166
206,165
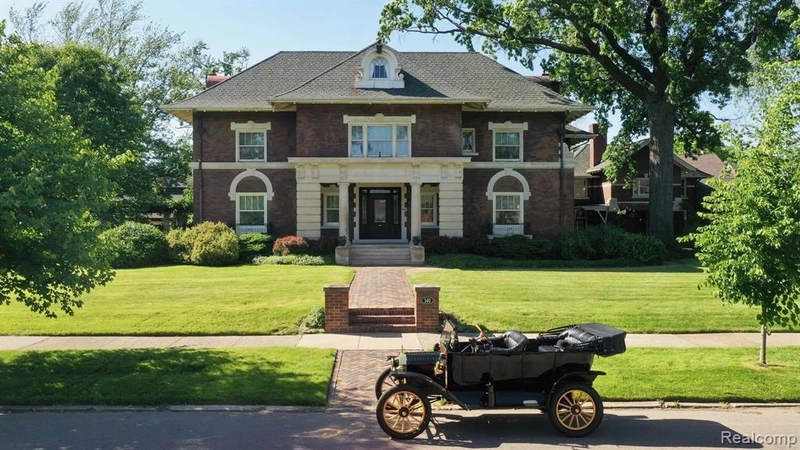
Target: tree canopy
x,y
652,60
154,64
751,244
53,185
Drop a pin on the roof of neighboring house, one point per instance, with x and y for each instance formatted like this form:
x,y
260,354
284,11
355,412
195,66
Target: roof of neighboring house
x,y
581,155
430,77
701,166
708,163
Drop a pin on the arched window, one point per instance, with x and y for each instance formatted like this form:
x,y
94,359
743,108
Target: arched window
x,y
380,68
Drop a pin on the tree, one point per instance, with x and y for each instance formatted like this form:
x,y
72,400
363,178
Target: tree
x,y
53,183
751,244
155,65
651,60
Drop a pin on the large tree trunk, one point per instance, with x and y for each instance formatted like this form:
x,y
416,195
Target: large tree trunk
x,y
661,117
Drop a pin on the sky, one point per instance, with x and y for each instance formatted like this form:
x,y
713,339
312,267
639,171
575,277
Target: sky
x,y
266,27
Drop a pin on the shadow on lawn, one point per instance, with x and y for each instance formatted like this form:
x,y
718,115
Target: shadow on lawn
x,y
155,377
522,266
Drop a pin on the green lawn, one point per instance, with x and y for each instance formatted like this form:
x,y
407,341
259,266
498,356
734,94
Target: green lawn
x,y
701,374
662,299
189,300
273,376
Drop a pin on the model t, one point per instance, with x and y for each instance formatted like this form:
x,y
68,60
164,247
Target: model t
x,y
551,372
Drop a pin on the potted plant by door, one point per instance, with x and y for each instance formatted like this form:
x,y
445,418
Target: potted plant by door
x,y
417,251
343,251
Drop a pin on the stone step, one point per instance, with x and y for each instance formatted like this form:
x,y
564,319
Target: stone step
x,y
382,320
373,328
392,311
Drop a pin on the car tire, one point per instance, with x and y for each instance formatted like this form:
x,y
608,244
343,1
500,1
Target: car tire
x,y
385,382
575,409
403,412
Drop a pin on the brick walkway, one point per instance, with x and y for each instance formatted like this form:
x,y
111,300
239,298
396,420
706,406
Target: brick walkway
x,y
354,376
381,287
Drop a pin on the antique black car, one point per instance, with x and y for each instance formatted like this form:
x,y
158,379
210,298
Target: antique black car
x,y
551,372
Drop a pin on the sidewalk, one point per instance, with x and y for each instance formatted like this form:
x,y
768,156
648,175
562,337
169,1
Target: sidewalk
x,y
363,341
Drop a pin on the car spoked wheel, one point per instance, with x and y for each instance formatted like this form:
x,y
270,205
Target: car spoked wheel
x,y
386,381
403,412
575,409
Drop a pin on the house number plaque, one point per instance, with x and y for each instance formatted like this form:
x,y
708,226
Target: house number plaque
x,y
426,300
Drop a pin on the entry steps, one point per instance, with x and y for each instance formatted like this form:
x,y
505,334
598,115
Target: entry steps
x,y
380,255
379,320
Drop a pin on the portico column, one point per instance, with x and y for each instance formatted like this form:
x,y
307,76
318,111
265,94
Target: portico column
x,y
416,211
344,209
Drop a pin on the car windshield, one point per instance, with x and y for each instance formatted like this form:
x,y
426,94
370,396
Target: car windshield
x,y
449,336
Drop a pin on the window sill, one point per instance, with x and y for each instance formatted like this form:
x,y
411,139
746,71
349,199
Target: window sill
x,y
331,226
506,160
469,153
430,225
251,160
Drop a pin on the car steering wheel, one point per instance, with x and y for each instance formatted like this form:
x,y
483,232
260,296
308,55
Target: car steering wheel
x,y
482,336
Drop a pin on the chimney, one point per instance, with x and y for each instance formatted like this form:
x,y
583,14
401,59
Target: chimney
x,y
545,80
213,79
597,145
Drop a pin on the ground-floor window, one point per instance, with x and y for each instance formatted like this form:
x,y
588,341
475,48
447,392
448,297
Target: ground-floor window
x,y
429,200
251,213
330,212
508,213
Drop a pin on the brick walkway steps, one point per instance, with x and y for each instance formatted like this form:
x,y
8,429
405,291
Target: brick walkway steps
x,y
383,320
380,255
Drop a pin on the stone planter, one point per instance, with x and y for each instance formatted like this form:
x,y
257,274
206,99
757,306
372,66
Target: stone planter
x,y
343,255
417,254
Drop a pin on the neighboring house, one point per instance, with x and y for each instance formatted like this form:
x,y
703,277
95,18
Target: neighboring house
x,y
598,200
381,146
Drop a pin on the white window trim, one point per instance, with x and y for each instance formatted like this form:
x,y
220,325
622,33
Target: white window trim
x,y
435,193
585,182
508,127
636,189
378,119
394,78
239,195
474,142
329,192
251,127
521,225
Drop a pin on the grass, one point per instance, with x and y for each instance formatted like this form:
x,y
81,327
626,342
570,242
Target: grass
x,y
470,261
274,376
189,300
701,374
662,299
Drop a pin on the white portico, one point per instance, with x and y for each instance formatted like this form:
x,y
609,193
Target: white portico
x,y
373,192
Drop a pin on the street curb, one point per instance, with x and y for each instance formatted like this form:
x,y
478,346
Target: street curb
x,y
335,409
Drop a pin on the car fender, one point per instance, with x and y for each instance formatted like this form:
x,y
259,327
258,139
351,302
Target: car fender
x,y
428,383
586,376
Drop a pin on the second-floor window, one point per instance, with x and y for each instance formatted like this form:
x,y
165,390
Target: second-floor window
x,y
468,141
641,188
380,141
251,141
507,140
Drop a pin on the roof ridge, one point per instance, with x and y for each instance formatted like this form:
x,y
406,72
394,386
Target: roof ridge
x,y
325,71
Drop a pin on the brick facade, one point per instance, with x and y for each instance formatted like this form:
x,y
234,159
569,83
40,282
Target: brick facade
x,y
218,207
213,135
539,141
321,130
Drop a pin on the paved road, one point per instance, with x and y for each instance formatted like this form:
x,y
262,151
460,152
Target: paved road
x,y
621,429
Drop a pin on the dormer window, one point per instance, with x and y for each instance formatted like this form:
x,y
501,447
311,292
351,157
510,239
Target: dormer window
x,y
380,68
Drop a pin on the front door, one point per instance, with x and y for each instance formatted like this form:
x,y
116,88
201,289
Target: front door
x,y
380,213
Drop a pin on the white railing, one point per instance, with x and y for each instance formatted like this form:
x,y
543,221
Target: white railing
x,y
245,229
507,230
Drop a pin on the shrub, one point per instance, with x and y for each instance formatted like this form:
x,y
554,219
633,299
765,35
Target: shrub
x,y
314,319
522,247
297,260
442,245
610,242
177,249
135,245
207,244
290,245
323,246
254,244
